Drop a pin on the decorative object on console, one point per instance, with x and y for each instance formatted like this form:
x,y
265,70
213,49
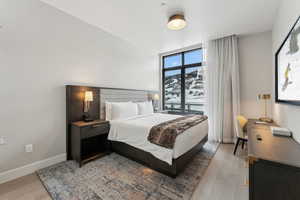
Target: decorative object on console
x,y
281,131
88,98
265,97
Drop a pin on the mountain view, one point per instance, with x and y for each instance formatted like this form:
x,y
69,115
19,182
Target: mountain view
x,y
194,89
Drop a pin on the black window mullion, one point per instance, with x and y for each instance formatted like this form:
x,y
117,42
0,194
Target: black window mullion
x,y
193,65
163,88
163,82
182,84
173,68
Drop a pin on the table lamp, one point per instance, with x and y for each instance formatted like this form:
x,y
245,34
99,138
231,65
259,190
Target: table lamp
x,y
265,97
88,98
155,100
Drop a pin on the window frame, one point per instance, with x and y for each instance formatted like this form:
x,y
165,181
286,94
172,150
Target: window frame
x,y
181,67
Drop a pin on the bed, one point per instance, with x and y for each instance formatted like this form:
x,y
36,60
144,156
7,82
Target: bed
x,y
169,162
129,138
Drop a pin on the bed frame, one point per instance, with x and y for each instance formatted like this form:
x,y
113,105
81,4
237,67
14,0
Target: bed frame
x,y
74,112
154,163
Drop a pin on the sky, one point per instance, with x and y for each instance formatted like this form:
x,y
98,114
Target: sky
x,y
176,60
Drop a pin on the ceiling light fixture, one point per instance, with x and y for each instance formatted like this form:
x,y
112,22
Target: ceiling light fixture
x,y
176,22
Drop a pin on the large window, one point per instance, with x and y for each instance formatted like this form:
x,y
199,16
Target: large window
x,y
183,82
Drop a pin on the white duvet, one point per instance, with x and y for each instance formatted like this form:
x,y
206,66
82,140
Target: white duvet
x,y
135,130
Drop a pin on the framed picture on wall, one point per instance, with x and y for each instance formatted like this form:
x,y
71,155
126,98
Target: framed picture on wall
x,y
287,88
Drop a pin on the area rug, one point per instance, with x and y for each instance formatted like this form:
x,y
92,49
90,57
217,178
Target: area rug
x,y
115,177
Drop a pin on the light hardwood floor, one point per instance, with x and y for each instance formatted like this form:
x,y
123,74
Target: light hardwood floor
x,y
223,180
226,176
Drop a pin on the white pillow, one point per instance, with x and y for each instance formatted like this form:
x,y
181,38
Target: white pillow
x,y
123,110
145,108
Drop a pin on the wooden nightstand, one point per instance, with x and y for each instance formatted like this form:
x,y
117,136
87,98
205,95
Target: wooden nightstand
x,y
89,140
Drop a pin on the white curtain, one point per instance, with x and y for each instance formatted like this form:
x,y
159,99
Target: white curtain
x,y
223,88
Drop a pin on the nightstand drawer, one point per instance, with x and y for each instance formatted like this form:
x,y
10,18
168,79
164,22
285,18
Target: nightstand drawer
x,y
94,130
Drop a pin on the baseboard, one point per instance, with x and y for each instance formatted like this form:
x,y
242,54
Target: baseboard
x,y
30,168
227,141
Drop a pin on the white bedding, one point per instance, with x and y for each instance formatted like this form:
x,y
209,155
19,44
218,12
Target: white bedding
x,y
135,130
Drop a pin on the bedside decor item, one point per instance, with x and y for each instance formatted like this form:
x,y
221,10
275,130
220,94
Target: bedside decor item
x,y
88,98
155,99
287,73
265,97
278,131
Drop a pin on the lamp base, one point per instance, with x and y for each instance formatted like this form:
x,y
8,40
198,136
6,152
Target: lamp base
x,y
266,119
88,119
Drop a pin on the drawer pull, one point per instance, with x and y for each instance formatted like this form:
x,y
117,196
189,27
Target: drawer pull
x,y
258,137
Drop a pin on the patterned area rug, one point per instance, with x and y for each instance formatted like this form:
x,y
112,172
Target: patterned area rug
x,y
115,177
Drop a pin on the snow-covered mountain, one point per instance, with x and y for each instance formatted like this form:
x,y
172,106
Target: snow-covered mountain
x,y
194,89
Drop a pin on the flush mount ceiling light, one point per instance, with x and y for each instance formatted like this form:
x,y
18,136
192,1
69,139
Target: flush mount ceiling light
x,y
176,22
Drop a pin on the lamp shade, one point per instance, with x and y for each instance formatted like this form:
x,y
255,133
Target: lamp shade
x,y
156,97
88,96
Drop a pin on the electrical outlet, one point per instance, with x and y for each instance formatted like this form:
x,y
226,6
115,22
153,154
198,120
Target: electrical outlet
x,y
2,141
28,148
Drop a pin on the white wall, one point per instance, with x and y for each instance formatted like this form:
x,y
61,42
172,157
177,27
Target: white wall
x,y
41,50
289,11
255,57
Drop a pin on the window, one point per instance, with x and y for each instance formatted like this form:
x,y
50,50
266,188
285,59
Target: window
x,y
183,82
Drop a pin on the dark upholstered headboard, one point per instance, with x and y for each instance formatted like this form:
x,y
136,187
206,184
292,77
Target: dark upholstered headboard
x,y
75,99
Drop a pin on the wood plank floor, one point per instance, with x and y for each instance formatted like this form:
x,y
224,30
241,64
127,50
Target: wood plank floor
x,y
223,180
226,177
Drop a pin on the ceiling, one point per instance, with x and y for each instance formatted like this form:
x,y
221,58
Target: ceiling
x,y
143,22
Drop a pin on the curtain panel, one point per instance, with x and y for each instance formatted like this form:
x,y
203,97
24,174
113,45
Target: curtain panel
x,y
223,88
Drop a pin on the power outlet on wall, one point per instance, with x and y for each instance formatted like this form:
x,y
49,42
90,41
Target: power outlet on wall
x,y
28,148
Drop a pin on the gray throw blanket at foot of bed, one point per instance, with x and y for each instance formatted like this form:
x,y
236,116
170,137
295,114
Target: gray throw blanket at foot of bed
x,y
165,134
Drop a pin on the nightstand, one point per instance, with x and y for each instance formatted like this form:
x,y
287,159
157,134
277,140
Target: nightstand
x,y
89,140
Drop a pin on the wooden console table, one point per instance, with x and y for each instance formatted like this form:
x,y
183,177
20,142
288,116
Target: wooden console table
x,y
274,164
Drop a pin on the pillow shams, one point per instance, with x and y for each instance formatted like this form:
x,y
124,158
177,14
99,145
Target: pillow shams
x,y
121,110
145,108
